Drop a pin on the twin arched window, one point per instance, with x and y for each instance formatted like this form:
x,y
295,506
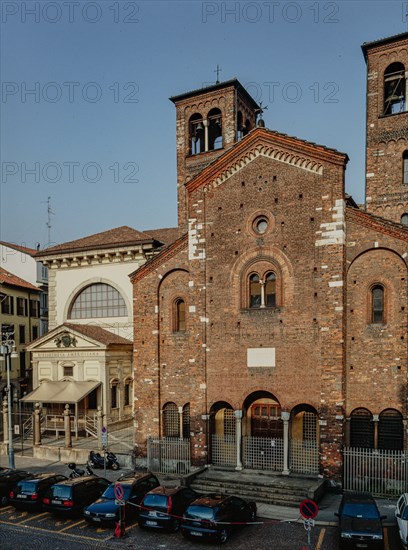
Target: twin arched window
x,y
394,89
262,290
176,420
205,134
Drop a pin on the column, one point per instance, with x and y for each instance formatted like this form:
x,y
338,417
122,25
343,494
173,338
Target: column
x,y
206,124
180,411
238,437
376,419
37,425
67,427
99,424
285,418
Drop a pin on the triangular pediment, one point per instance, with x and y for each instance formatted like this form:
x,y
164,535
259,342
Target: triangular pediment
x,y
65,338
260,142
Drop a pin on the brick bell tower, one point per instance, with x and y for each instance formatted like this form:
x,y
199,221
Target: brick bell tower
x,y
209,122
386,192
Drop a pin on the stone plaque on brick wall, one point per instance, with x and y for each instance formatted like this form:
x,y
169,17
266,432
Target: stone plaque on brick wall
x,y
261,357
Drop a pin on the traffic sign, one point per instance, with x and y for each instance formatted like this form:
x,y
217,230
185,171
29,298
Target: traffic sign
x,y
308,509
119,491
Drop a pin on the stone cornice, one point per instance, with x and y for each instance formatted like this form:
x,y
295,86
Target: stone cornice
x,y
376,223
158,260
261,142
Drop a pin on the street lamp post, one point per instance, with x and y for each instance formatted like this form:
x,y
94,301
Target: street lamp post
x,y
8,352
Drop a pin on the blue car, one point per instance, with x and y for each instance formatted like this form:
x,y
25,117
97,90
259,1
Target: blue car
x,y
105,510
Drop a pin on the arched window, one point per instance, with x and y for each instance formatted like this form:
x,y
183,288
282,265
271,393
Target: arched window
x,y
179,317
405,166
186,421
254,291
390,430
361,429
196,134
98,300
377,300
170,420
114,395
404,219
394,89
262,290
214,129
270,290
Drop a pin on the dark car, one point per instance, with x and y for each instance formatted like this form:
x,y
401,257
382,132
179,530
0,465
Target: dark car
x,y
214,516
29,493
8,479
164,507
135,486
70,497
360,522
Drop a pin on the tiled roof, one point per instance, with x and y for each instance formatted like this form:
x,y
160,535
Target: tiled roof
x,y
98,333
119,236
10,279
24,249
166,235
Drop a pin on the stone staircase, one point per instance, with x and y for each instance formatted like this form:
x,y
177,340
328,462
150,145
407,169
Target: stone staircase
x,y
259,486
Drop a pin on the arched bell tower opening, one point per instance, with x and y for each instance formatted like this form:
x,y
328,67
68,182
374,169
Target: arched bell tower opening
x,y
210,121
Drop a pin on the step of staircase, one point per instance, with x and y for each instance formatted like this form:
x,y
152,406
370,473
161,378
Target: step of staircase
x,y
260,487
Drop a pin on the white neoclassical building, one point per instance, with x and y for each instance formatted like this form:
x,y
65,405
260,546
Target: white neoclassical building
x,y
85,360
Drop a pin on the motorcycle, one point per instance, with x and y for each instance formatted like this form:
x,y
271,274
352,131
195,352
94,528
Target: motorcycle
x,y
77,472
96,460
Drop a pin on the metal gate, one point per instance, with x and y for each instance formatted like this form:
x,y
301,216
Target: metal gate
x,y
381,472
262,453
168,455
304,456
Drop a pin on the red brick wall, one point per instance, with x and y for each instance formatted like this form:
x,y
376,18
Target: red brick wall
x,y
387,138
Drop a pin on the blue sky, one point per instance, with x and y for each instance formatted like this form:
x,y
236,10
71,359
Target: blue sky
x,y
85,116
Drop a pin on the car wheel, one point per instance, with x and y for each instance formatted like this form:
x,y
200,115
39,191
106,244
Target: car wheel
x,y
115,466
253,515
223,536
186,535
3,501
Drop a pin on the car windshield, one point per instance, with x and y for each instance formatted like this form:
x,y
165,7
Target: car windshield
x,y
61,491
155,501
109,493
363,510
27,485
201,512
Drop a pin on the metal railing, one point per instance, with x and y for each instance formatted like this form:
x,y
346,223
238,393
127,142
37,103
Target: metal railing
x,y
381,472
304,456
224,450
168,455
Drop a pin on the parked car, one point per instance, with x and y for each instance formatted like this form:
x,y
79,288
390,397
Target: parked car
x,y
8,478
163,507
27,494
401,514
70,497
135,486
360,522
215,516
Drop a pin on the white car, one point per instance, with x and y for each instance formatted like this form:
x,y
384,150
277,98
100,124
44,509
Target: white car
x,y
401,513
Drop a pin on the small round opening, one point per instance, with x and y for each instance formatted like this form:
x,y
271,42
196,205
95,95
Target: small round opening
x,y
261,225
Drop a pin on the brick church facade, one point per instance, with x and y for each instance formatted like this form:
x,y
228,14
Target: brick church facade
x,y
273,332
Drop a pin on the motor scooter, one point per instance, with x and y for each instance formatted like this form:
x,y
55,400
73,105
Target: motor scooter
x,y
77,472
96,460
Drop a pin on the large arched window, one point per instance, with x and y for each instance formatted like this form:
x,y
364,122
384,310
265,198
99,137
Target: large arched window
x,y
254,291
377,304
394,89
98,300
171,422
390,430
361,429
270,290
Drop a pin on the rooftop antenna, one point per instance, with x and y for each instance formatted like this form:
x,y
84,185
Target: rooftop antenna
x,y
49,214
218,70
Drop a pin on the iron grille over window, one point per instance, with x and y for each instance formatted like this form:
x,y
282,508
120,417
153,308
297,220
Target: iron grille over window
x,y
170,420
390,430
361,429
